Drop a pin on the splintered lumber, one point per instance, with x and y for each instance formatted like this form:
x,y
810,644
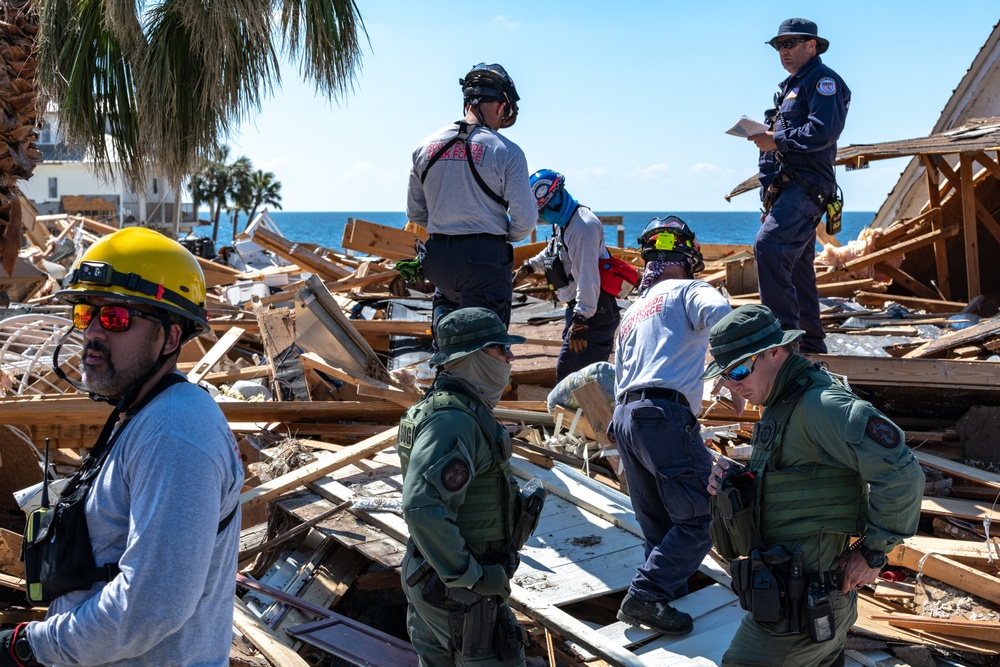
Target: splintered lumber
x,y
218,351
873,300
380,240
938,373
888,253
598,413
965,509
974,553
264,638
307,261
320,468
985,329
942,568
984,477
982,630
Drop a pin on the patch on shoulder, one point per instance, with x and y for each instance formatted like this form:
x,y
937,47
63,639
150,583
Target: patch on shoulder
x,y
826,86
455,475
882,431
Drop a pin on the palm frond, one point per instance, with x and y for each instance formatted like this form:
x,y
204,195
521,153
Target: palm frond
x,y
323,36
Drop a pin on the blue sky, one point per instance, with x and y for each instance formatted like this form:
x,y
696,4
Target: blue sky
x,y
629,100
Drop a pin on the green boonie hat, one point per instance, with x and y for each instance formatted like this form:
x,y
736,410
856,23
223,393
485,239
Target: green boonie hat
x,y
464,331
746,331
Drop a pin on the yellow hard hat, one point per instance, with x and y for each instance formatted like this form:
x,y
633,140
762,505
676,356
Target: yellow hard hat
x,y
142,266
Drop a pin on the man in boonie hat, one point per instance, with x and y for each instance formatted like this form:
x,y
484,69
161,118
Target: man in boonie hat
x,y
827,469
460,497
797,179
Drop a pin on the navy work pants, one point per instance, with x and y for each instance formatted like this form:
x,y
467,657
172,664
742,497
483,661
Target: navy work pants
x,y
784,250
600,337
468,271
667,467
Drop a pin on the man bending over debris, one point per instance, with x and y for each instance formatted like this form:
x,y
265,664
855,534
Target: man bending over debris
x,y
137,559
826,466
662,343
460,501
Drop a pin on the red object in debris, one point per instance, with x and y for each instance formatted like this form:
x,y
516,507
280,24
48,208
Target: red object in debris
x,y
892,575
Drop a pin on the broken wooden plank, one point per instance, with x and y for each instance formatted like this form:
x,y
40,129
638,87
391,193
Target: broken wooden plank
x,y
947,570
984,329
984,477
892,371
595,407
871,299
982,630
264,638
979,553
380,240
320,468
219,350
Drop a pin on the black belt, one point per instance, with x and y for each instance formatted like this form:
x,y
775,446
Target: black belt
x,y
658,393
465,237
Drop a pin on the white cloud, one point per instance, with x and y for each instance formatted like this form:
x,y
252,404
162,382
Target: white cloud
x,y
505,22
651,172
706,168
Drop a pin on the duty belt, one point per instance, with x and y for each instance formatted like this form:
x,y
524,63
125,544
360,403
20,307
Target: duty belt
x,y
655,393
465,237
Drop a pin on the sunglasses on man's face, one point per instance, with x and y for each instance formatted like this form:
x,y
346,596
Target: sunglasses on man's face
x,y
790,43
112,318
741,372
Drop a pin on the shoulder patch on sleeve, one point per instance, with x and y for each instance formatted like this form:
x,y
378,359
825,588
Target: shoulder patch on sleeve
x,y
882,431
826,86
455,475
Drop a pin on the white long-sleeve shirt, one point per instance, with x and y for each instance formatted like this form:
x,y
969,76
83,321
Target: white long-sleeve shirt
x,y
155,508
450,201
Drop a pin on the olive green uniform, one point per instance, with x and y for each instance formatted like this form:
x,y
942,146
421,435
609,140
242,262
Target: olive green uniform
x,y
828,466
459,503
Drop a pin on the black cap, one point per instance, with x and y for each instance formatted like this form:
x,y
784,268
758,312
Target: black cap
x,y
801,28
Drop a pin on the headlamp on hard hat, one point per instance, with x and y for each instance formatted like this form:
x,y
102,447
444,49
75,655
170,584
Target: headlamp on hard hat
x,y
93,273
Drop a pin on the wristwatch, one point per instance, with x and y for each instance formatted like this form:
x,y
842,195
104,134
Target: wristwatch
x,y
875,559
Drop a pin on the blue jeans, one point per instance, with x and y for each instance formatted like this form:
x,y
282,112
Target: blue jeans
x,y
784,250
469,272
600,337
667,467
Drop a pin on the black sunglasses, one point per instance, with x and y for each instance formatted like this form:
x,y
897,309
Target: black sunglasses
x,y
789,43
112,318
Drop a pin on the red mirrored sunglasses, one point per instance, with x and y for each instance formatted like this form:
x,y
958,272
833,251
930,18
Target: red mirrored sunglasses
x,y
112,318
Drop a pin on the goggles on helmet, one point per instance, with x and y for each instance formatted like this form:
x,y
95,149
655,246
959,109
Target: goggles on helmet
x,y
114,318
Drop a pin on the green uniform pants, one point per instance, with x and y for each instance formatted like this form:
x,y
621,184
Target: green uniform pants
x,y
772,644
427,625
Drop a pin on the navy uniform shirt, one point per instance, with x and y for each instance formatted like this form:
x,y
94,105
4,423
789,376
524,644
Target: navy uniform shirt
x,y
812,105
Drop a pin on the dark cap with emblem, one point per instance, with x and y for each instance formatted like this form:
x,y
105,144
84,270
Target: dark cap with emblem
x,y
746,331
800,28
467,330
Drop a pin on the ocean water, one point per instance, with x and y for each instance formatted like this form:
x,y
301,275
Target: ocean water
x,y
326,228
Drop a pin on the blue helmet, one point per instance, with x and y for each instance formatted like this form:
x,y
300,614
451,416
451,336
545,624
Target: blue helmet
x,y
546,184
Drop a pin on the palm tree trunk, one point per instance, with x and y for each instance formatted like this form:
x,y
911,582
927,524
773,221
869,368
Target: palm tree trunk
x,y
19,90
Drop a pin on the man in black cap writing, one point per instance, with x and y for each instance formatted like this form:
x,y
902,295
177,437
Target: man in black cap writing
x,y
797,178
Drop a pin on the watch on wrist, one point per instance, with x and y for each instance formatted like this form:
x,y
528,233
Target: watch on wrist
x,y
875,559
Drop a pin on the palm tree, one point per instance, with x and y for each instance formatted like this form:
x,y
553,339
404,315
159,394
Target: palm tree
x,y
266,189
167,80
18,151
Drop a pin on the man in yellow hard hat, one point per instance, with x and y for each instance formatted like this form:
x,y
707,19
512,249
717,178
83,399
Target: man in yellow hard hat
x,y
138,557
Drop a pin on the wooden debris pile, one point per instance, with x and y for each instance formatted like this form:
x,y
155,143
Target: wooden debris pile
x,y
314,359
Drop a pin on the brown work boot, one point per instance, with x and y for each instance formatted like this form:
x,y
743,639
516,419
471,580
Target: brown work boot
x,y
657,615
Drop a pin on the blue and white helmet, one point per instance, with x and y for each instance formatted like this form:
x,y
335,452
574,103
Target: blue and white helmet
x,y
545,184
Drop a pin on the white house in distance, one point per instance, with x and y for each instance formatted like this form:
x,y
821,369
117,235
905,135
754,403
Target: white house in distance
x,y
65,182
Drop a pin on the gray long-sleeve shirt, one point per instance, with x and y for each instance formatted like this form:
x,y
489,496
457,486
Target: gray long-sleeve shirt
x,y
582,245
155,508
450,201
663,338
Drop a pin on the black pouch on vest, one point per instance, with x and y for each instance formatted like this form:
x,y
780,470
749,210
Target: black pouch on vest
x,y
733,530
510,639
555,272
765,593
473,628
58,559
740,582
819,613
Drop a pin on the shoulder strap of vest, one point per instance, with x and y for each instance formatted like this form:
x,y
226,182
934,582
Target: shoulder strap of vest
x,y
464,130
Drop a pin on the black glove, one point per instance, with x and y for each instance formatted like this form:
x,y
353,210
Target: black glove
x,y
14,648
522,273
579,327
